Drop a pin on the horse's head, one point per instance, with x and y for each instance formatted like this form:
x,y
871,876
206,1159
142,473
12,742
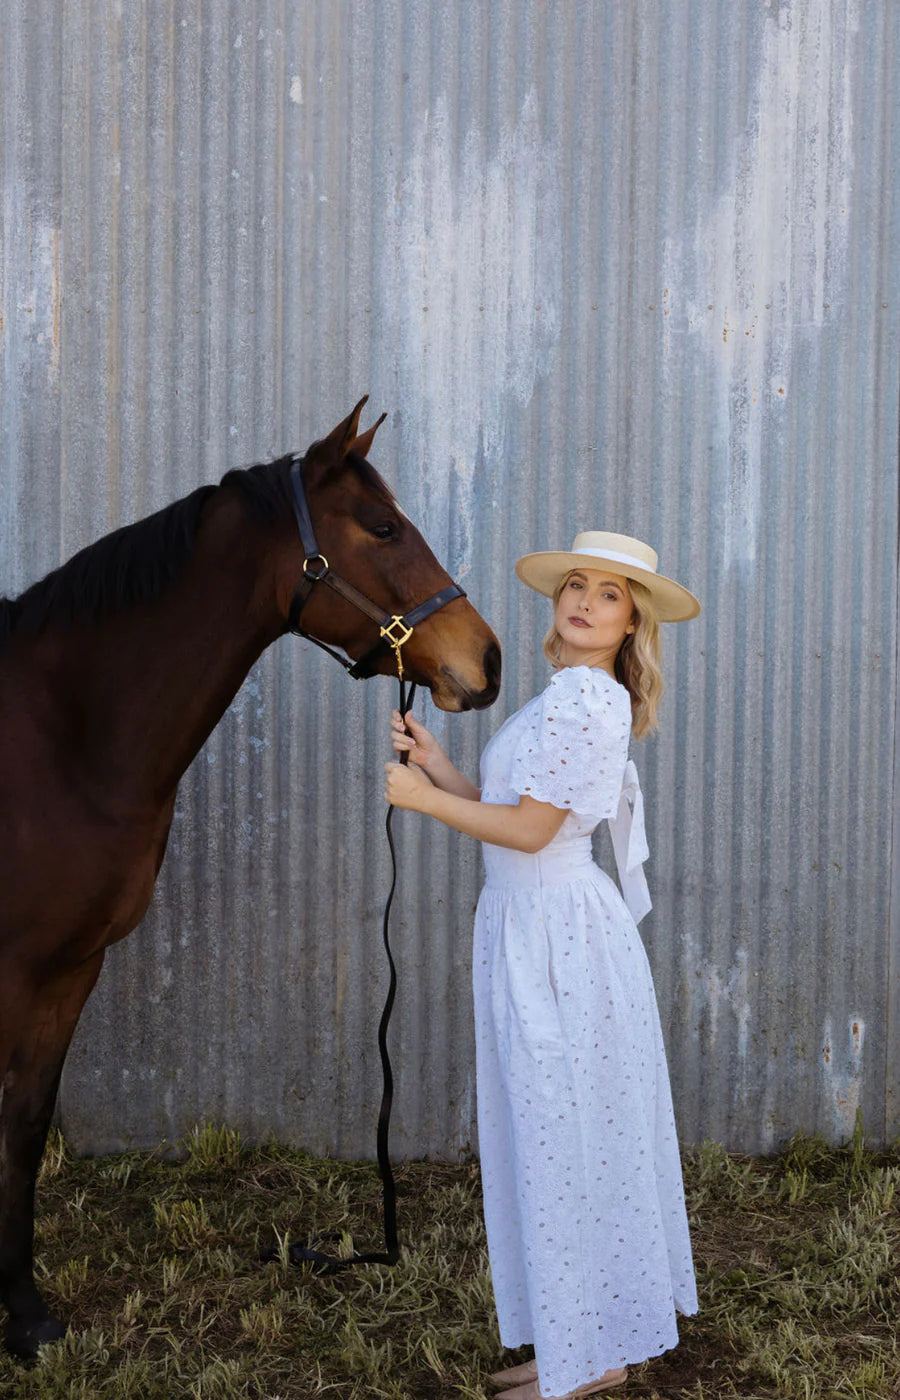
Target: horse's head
x,y
370,543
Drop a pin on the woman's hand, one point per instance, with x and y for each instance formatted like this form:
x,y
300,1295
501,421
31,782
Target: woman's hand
x,y
408,788
421,745
428,756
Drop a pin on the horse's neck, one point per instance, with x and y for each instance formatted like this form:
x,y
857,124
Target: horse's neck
x,y
156,680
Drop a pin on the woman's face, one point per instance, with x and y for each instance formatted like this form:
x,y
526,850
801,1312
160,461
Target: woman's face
x,y
594,615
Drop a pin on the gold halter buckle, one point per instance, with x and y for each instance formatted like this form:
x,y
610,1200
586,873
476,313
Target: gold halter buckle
x,y
403,635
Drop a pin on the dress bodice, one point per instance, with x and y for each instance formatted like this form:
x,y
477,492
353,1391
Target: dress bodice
x,y
569,747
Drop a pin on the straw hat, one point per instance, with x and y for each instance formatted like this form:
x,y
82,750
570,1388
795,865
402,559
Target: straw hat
x,y
625,556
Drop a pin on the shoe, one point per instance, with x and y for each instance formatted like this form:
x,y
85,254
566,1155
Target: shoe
x,y
515,1375
532,1390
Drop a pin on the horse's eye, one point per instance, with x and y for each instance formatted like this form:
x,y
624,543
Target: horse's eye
x,y
384,532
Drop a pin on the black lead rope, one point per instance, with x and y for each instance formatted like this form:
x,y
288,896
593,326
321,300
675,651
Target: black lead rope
x,y
311,1253
393,631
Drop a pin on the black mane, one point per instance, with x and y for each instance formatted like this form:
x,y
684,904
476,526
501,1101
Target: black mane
x,y
136,563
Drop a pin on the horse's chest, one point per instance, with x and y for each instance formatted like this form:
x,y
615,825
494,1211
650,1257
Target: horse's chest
x,y
89,875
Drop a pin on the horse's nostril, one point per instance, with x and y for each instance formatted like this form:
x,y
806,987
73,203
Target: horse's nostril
x,y
492,665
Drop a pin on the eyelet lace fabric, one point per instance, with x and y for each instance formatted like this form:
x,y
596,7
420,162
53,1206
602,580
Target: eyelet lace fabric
x,y
584,1205
571,744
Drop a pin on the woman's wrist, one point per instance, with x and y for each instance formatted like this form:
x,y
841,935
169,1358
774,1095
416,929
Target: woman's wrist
x,y
439,768
434,802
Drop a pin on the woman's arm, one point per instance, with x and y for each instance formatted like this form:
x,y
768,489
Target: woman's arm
x,y
425,751
527,826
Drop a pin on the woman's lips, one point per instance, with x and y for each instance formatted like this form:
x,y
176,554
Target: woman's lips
x,y
578,622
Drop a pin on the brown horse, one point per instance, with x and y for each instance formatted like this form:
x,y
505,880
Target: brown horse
x,y
113,671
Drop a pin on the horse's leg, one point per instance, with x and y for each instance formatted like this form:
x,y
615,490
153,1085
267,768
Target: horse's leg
x,y
26,1108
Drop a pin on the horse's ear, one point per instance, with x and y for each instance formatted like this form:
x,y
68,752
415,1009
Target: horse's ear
x,y
341,437
362,443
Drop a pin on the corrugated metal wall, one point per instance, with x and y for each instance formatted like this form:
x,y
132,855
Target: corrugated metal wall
x,y
623,266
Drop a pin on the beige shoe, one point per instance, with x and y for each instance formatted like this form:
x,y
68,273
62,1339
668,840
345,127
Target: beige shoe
x,y
515,1375
608,1381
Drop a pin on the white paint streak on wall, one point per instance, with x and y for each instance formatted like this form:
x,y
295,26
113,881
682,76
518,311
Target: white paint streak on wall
x,y
842,1070
731,989
30,312
35,318
470,297
766,262
45,297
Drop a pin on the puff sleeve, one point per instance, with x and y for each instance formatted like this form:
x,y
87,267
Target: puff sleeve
x,y
574,748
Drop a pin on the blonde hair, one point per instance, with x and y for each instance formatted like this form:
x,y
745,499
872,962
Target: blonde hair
x,y
638,664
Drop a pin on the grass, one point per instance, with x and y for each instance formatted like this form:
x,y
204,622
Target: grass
x,y
155,1265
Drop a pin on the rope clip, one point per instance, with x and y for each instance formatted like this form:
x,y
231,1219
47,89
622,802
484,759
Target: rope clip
x,y
398,641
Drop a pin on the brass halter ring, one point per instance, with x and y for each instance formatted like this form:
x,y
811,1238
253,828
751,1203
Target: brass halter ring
x,y
322,571
403,635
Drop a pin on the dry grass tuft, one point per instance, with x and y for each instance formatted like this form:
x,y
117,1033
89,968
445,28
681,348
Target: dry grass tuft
x,y
797,1259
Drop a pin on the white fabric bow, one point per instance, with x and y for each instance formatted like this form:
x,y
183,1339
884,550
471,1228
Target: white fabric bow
x,y
629,841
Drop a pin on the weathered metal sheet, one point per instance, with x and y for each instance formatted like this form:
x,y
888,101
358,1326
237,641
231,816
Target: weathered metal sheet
x,y
621,266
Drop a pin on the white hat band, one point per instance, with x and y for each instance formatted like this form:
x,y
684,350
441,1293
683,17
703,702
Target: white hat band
x,y
618,558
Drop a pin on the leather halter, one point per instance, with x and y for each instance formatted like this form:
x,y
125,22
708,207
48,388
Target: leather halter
x,y
394,629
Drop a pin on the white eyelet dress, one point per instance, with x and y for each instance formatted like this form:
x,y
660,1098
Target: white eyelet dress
x,y
583,1198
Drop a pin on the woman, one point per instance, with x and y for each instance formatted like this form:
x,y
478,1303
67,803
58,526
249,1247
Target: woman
x,y
583,1200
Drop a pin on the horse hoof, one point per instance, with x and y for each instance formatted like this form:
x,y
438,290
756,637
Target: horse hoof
x,y
24,1339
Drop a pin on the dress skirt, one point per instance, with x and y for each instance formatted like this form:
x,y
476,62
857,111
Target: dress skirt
x,y
583,1199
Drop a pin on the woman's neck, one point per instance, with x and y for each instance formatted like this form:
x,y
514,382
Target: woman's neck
x,y
596,661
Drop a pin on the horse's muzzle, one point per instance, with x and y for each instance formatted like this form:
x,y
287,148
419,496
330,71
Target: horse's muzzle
x,y
453,693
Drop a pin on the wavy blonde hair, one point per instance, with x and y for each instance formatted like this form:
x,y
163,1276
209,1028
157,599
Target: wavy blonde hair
x,y
639,662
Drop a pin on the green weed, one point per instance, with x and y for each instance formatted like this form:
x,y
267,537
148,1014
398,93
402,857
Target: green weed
x,y
56,1159
211,1147
185,1223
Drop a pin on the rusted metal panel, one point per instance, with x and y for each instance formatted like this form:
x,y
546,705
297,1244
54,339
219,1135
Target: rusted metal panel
x,y
613,266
